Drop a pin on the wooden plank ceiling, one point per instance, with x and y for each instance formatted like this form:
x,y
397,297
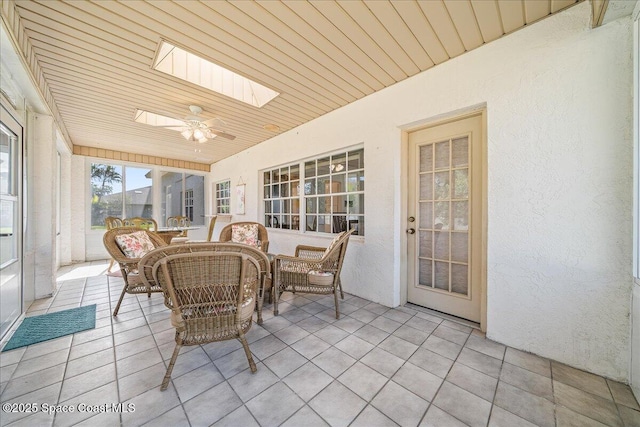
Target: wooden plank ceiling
x,y
320,55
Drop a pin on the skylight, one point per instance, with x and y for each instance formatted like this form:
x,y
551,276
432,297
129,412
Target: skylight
x,y
179,63
153,119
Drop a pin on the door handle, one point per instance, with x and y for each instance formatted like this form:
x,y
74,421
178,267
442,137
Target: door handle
x,y
411,231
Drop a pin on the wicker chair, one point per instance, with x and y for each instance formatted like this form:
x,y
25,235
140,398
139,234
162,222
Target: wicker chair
x,y
212,296
133,284
112,222
181,222
212,224
312,270
139,222
263,236
148,262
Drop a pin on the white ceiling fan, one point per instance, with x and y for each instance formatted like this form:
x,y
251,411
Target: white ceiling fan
x,y
192,127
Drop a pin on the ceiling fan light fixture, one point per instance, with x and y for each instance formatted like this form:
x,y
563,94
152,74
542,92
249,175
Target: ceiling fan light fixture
x,y
187,134
198,134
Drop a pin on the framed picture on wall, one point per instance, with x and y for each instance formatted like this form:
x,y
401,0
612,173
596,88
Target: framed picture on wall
x,y
240,198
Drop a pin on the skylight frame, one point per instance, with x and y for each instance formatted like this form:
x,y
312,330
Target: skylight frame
x,y
178,62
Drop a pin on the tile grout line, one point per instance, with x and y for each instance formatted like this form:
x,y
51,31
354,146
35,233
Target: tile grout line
x,y
495,393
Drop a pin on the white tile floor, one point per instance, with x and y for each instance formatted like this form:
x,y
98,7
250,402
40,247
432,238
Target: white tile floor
x,y
373,367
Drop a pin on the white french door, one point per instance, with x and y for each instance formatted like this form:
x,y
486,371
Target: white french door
x,y
10,221
445,224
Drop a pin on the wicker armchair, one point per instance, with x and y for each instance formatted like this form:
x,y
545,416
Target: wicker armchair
x,y
211,294
148,262
139,222
312,270
212,224
112,222
180,222
133,284
263,236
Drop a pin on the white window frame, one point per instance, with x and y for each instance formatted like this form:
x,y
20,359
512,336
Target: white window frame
x,y
636,149
222,197
336,221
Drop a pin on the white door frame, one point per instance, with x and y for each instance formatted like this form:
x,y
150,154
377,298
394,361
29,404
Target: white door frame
x,y
404,195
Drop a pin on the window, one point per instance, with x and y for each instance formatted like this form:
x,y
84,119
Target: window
x,y
127,191
188,205
282,197
182,194
333,194
223,198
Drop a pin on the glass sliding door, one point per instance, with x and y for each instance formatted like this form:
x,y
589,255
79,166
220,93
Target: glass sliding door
x,y
10,221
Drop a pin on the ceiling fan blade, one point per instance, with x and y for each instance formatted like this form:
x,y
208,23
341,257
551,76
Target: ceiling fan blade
x,y
215,121
222,134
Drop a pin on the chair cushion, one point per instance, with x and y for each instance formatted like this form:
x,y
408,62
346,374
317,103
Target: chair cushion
x,y
245,233
135,245
333,244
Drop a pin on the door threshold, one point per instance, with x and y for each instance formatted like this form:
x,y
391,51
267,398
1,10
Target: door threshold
x,y
445,316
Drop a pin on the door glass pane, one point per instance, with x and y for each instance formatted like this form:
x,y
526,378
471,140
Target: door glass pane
x,y
425,270
6,165
461,184
426,215
10,225
442,155
8,232
426,186
441,220
426,242
441,245
441,185
426,158
460,215
460,247
441,270
460,152
459,279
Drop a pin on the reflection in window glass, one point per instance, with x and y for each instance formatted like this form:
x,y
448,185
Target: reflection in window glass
x,y
106,193
138,200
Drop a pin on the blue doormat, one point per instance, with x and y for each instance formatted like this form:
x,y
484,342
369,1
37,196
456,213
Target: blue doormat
x,y
53,325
